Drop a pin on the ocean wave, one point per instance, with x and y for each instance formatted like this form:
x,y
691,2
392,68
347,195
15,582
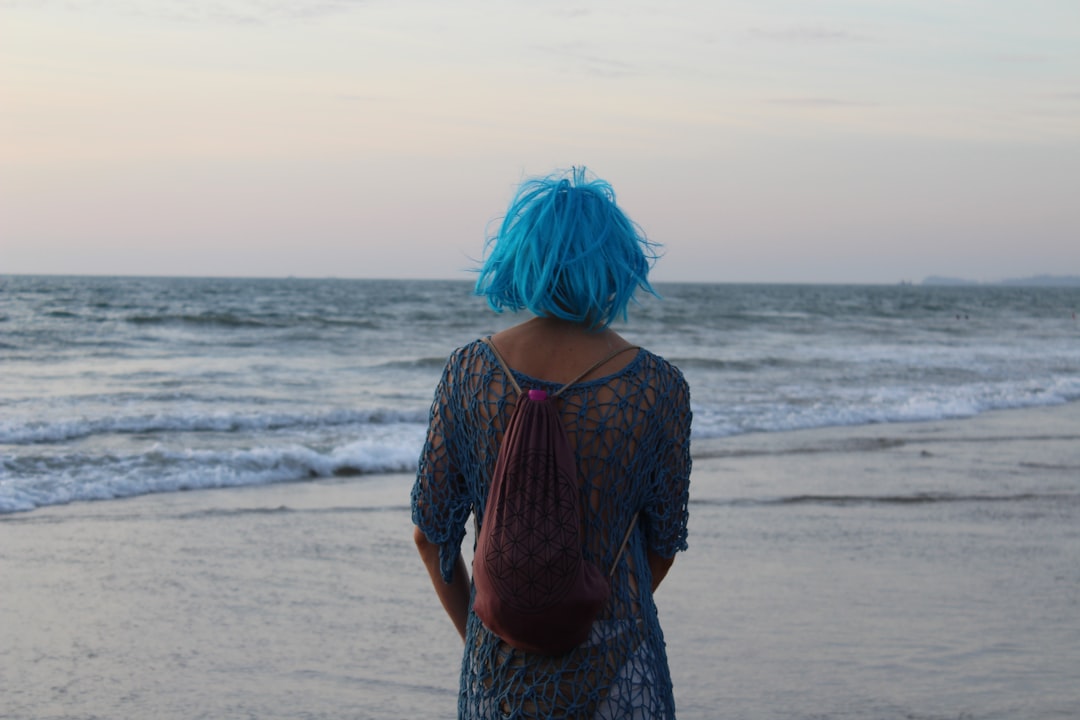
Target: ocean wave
x,y
748,365
63,430
426,363
845,445
878,406
229,320
240,320
28,482
880,500
717,417
285,509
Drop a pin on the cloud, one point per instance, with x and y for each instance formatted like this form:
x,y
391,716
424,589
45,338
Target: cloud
x,y
227,12
571,12
365,98
590,62
819,102
1020,58
806,35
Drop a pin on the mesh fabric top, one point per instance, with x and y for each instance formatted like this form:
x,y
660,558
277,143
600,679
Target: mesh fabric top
x,y
630,434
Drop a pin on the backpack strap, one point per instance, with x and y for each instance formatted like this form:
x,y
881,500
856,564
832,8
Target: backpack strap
x,y
502,363
517,388
594,366
622,548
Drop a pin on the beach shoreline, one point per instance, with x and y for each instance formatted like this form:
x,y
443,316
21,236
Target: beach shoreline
x,y
915,570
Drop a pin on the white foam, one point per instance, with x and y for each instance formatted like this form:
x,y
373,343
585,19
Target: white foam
x,y
880,405
16,432
29,482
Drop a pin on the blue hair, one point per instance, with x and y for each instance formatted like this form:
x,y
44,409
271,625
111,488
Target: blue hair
x,y
566,250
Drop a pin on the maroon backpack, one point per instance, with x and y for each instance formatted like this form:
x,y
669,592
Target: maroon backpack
x,y
534,588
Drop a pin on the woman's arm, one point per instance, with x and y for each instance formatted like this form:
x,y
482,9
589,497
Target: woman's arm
x,y
659,567
454,596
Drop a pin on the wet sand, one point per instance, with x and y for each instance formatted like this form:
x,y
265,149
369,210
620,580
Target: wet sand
x,y
927,570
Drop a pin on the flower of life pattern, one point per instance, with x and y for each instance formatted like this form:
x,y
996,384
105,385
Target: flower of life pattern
x,y
536,559
630,435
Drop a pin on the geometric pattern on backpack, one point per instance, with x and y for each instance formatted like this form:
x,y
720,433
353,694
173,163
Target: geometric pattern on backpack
x,y
534,588
536,559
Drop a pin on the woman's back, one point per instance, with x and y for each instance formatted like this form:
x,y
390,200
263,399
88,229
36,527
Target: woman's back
x,y
627,424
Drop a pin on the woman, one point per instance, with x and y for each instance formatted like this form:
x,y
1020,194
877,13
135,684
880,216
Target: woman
x,y
568,254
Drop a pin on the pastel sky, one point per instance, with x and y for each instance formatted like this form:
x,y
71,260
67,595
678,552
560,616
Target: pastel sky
x,y
758,140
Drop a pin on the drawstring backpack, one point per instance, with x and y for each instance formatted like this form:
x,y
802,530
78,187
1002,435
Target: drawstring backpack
x,y
534,588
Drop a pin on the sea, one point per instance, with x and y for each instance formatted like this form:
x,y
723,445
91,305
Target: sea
x,y
112,387
204,498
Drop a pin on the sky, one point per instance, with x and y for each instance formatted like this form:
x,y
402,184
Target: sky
x,y
826,141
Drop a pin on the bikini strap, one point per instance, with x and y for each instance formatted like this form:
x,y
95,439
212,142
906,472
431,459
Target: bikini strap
x,y
594,366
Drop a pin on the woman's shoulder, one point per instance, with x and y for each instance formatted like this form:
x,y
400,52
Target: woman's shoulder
x,y
477,357
662,365
465,361
467,353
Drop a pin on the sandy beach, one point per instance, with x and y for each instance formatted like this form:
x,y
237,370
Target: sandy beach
x,y
926,571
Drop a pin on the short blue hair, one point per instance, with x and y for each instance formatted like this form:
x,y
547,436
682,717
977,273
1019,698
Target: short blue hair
x,y
566,250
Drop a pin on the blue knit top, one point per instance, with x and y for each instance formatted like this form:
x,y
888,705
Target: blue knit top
x,y
630,432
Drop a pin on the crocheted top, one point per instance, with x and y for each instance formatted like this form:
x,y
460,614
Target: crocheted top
x,y
631,437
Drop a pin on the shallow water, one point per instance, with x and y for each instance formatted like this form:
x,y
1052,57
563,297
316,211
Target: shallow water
x,y
809,591
186,606
116,387
956,596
